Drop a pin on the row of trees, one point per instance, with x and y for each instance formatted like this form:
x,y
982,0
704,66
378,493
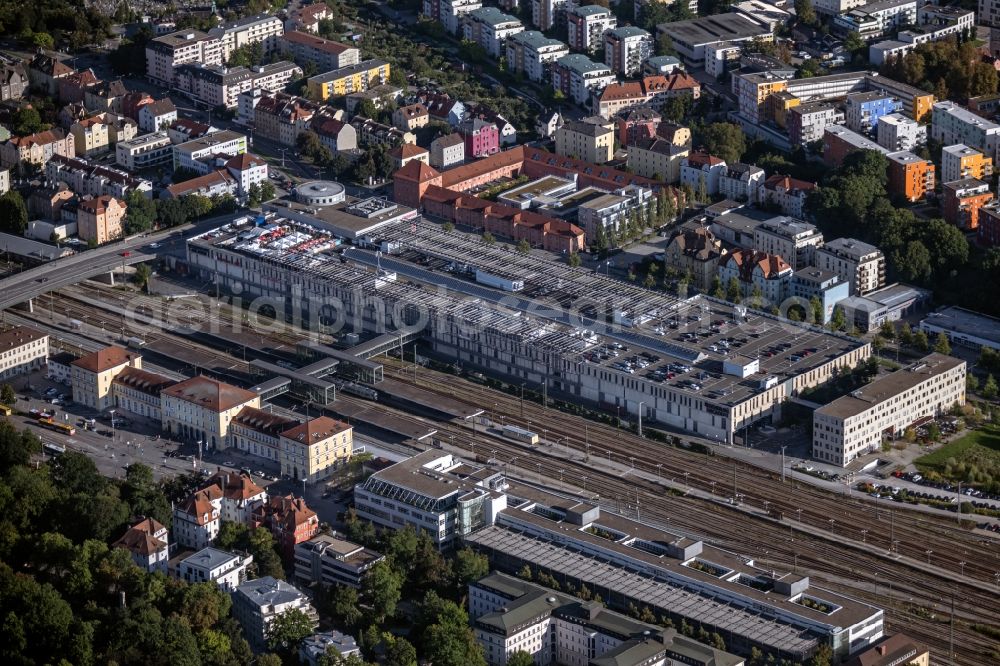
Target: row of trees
x,y
950,68
143,213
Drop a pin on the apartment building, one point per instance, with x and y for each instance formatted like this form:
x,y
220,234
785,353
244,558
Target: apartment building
x,y
410,117
371,133
657,158
793,240
766,275
92,376
197,519
962,201
449,12
327,559
910,176
336,135
213,184
988,233
590,140
280,117
531,53
489,28
148,542
576,76
857,424
307,17
323,54
447,151
626,49
934,23
897,132
825,286
612,211
88,178
256,604
701,172
311,451
263,29
221,86
863,110
839,142
157,115
91,136
545,14
510,615
289,520
805,123
22,350
741,182
959,162
347,80
37,148
876,19
587,25
164,54
787,193
190,153
13,81
202,409
211,565
138,391
696,252
859,264
952,124
434,492
101,219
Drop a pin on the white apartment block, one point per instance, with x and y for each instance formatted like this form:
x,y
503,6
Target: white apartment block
x,y
857,424
22,350
898,132
577,77
806,122
144,152
793,240
835,7
959,162
449,12
545,13
198,518
89,178
700,169
221,86
951,124
227,570
226,142
877,18
490,28
164,54
261,29
627,49
424,491
530,52
587,26
741,182
256,603
859,264
933,23
329,560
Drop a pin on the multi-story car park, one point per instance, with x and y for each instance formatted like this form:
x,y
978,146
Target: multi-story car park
x,y
625,562
571,336
858,424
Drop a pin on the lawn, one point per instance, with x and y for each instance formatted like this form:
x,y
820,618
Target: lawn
x,y
974,457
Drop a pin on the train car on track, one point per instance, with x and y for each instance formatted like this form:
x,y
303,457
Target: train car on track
x,y
520,434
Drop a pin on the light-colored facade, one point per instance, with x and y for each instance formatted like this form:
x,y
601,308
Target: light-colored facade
x,y
263,29
36,148
221,86
329,560
257,432
587,25
22,350
951,124
423,491
226,142
148,542
741,182
826,286
857,424
449,12
92,376
613,211
202,409
657,158
348,80
700,171
959,162
101,219
164,54
530,52
324,54
211,565
489,28
933,23
793,240
144,152
805,123
877,19
447,151
256,603
313,450
585,140
787,193
91,136
897,132
157,115
861,265
410,117
627,49
767,276
137,392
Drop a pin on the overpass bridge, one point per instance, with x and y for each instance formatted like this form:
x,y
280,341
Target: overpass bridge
x,y
29,284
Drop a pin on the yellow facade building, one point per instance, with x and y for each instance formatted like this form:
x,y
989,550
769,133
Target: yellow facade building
x,y
202,409
92,376
312,450
347,80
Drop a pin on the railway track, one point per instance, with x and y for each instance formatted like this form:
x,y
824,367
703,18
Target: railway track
x,y
916,599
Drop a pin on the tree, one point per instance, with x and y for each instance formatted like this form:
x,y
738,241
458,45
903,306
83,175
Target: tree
x,y
253,195
573,259
805,12
887,330
143,273
920,341
287,630
941,345
906,335
520,658
13,213
853,42
267,191
733,290
701,194
400,652
7,395
664,45
382,589
26,120
823,654
914,263
141,212
523,246
716,290
816,307
838,321
269,659
488,238
725,140
469,566
447,227
989,388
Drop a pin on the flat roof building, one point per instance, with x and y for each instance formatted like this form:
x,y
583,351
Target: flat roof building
x,y
963,327
326,559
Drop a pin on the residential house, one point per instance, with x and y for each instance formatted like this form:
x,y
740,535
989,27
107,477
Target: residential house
x,y
635,124
281,117
587,25
90,136
442,108
167,52
578,77
447,151
489,28
144,152
13,81
370,133
793,240
37,148
407,152
44,73
87,178
307,17
694,252
157,115
197,519
657,158
626,49
786,194
864,109
336,135
226,142
313,450
897,132
220,86
289,519
263,29
910,176
149,544
701,172
741,182
105,96
410,117
764,279
101,219
482,138
73,86
313,648
590,140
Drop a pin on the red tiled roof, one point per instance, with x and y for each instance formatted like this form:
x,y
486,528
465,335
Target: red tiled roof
x,y
198,183
318,43
233,486
143,380
244,161
700,159
677,81
788,183
199,504
40,138
103,359
504,158
627,90
139,541
407,150
19,336
417,172
210,393
316,430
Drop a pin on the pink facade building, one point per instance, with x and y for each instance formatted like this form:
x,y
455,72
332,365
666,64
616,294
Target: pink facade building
x,y
482,138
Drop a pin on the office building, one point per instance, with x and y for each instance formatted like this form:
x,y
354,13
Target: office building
x,y
857,424
327,559
144,152
964,328
691,38
202,409
190,153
